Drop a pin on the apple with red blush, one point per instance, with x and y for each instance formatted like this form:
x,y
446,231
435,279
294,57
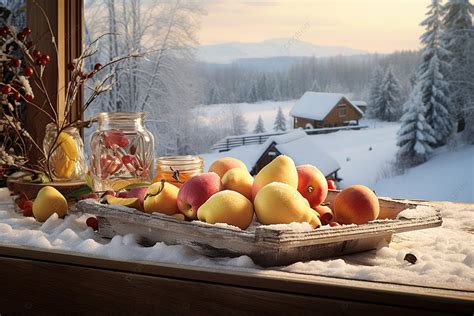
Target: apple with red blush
x,y
196,191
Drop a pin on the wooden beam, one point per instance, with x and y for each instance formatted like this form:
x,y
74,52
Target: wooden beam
x,y
63,21
37,281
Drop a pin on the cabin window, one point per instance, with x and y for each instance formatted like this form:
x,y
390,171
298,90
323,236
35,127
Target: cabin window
x,y
342,111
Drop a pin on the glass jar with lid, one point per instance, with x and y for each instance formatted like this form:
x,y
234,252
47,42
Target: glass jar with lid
x,y
122,151
178,169
65,152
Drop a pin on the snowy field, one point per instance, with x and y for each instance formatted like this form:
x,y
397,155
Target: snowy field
x,y
251,111
445,254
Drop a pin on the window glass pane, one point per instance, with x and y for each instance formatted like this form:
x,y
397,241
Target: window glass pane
x,y
13,12
217,69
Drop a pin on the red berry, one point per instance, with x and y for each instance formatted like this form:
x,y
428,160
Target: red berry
x,y
26,31
6,89
28,211
15,62
20,202
16,96
36,53
29,97
70,67
332,185
97,67
28,203
45,59
28,71
93,223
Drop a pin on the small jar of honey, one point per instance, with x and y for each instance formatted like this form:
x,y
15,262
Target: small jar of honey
x,y
178,169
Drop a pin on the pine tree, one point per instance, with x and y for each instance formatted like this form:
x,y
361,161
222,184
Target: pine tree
x,y
239,124
374,91
259,128
415,137
388,104
457,40
432,74
280,121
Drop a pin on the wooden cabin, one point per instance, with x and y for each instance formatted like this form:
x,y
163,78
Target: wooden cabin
x,y
322,109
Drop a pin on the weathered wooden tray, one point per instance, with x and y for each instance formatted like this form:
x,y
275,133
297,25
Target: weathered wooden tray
x,y
266,245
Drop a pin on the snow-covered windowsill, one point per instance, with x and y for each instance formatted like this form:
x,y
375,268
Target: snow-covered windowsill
x,y
445,256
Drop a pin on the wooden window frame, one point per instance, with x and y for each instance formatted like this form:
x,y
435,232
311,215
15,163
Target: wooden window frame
x,y
66,19
342,111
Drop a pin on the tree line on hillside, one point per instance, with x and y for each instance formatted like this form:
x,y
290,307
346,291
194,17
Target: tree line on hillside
x,y
344,74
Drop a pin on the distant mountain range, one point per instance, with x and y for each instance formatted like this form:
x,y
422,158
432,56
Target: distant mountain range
x,y
277,47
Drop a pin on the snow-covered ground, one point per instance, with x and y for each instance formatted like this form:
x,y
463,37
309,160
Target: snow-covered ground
x,y
366,157
445,254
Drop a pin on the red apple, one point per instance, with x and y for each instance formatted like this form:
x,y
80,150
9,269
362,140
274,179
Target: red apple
x,y
195,192
312,184
332,185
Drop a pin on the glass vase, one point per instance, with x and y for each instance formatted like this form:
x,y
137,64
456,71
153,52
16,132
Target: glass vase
x,y
66,160
122,151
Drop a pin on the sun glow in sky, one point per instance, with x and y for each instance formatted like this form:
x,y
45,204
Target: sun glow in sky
x,y
372,25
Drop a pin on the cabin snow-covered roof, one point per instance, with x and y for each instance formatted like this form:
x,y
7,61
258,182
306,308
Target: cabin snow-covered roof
x,y
317,105
305,151
359,103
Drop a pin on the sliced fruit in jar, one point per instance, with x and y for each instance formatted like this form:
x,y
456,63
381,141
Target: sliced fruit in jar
x,y
115,138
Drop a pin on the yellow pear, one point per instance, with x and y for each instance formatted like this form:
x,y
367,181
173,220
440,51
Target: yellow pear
x,y
49,201
281,169
280,203
227,207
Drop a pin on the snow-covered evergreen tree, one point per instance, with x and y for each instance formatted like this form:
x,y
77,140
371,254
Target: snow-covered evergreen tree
x,y
280,121
388,104
374,91
238,122
259,128
432,74
415,137
457,40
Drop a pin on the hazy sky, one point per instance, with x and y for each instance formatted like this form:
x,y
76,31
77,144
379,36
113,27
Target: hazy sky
x,y
371,25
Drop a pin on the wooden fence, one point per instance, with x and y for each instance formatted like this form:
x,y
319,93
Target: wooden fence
x,y
230,142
